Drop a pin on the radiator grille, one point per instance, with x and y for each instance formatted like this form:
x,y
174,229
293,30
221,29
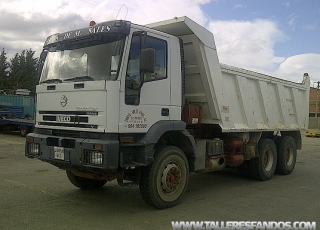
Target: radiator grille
x,y
76,119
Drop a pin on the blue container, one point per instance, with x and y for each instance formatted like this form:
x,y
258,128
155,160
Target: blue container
x,y
20,106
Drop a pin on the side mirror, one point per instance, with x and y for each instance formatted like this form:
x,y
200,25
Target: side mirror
x,y
43,57
76,54
147,60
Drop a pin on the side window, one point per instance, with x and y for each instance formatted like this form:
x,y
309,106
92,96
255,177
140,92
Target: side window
x,y
133,75
132,95
160,47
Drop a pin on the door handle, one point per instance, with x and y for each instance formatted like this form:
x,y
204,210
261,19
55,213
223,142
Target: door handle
x,y
165,112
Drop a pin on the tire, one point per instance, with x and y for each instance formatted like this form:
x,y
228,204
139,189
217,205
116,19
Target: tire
x,y
84,183
244,169
263,167
24,130
164,181
287,155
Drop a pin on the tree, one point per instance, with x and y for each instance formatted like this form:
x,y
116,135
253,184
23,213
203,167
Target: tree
x,y
24,71
31,77
4,69
15,72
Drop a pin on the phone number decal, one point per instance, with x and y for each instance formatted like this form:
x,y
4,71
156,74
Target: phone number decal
x,y
136,119
138,126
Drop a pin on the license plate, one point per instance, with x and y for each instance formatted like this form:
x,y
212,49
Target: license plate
x,y
59,153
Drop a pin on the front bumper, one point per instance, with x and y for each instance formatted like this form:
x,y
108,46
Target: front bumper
x,y
70,153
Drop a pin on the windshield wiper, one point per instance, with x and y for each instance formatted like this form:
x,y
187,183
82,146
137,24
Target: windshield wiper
x,y
82,78
56,80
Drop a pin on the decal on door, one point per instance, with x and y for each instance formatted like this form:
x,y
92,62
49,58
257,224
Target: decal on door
x,y
136,119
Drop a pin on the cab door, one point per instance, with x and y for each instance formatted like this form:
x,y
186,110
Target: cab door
x,y
145,96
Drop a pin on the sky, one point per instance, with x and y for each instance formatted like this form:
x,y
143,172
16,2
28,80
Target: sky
x,y
275,37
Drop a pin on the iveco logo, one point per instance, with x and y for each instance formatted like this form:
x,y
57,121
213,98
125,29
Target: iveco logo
x,y
63,100
63,118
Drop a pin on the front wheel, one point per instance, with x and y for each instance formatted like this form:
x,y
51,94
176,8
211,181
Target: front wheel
x,y
85,183
263,167
164,181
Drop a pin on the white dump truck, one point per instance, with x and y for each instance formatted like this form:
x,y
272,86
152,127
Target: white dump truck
x,y
147,105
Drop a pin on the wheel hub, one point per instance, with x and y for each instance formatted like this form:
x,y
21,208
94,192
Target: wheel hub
x,y
267,161
171,178
289,157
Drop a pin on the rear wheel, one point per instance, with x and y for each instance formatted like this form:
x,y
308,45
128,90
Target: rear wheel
x,y
85,183
164,181
287,155
263,167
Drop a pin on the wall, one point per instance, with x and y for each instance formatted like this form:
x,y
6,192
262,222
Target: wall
x,y
314,120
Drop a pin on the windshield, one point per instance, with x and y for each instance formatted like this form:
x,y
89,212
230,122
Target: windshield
x,y
100,62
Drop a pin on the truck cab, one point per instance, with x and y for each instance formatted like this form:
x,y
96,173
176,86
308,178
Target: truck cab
x,y
106,95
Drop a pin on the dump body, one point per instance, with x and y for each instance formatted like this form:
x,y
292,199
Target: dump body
x,y
262,102
236,99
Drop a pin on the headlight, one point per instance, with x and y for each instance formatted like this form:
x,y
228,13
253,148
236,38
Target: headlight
x,y
93,157
33,149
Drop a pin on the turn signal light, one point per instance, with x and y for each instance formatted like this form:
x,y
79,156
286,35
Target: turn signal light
x,y
126,139
97,147
30,139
